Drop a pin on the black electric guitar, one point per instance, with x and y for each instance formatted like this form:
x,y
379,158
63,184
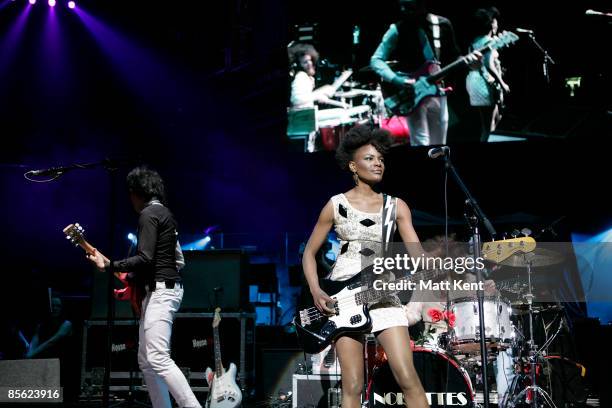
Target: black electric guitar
x,y
352,297
404,100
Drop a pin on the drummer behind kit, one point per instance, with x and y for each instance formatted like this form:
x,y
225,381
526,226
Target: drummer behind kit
x,y
332,123
355,105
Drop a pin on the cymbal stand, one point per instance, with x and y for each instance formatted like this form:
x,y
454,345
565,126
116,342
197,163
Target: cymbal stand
x,y
553,337
531,392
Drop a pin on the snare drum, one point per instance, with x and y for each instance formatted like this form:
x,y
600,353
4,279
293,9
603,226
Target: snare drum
x,y
446,383
499,331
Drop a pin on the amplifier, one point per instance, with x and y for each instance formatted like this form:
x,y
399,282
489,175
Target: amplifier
x,y
191,345
31,373
326,361
312,390
215,278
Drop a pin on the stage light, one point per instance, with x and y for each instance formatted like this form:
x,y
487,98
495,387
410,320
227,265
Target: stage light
x,y
198,245
51,3
71,4
32,2
132,238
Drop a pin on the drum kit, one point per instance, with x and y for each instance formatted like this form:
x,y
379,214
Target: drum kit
x,y
363,104
450,367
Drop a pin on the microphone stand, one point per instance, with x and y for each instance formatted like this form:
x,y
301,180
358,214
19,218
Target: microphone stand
x,y
110,166
474,215
57,172
547,58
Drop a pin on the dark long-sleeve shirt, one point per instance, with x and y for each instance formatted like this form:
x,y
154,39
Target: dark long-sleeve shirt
x,y
401,42
155,258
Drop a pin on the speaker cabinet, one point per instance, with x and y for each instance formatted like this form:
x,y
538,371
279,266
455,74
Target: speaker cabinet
x,y
34,373
215,278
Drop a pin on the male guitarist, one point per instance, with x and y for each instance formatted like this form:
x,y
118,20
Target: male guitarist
x,y
155,265
418,38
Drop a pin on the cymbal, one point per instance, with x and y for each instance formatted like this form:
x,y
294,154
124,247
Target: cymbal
x,y
511,286
523,308
354,93
537,258
348,94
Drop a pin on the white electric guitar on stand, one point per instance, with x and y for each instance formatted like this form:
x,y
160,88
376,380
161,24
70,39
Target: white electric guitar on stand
x,y
223,390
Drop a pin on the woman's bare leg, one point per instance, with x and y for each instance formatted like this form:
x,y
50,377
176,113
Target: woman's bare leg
x,y
396,342
350,355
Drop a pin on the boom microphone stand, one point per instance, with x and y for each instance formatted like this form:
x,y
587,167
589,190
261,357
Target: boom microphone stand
x,y
110,166
546,57
474,216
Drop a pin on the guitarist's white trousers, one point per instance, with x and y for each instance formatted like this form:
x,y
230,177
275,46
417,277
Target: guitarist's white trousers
x,y
428,123
160,372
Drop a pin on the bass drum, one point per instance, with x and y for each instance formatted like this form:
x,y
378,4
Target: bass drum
x,y
446,383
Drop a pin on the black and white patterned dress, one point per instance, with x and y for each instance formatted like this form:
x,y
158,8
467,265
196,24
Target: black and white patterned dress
x,y
360,235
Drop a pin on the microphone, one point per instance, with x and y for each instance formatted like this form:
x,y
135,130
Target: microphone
x,y
591,12
46,172
438,151
524,30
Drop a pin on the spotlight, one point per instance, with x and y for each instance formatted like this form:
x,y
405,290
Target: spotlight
x,y
198,245
71,4
32,2
132,238
51,3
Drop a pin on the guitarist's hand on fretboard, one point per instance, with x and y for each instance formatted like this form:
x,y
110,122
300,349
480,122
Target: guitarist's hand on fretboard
x,y
98,259
474,60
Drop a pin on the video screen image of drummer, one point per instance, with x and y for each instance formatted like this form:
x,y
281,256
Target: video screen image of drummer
x,y
433,73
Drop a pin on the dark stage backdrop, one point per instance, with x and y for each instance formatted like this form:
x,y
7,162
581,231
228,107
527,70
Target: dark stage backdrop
x,y
199,93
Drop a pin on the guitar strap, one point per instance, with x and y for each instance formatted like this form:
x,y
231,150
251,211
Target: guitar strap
x,y
431,54
435,29
389,216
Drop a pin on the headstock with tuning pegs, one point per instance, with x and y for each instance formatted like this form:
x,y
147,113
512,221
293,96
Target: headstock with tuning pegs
x,y
217,317
75,234
498,251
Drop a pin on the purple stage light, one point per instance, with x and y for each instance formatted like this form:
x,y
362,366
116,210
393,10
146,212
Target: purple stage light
x,y
71,4
51,3
32,2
